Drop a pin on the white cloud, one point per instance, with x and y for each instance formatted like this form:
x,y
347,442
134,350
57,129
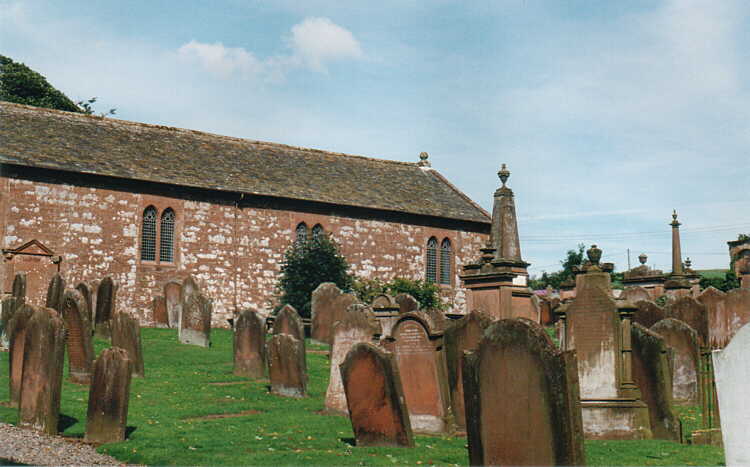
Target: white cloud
x,y
318,41
221,60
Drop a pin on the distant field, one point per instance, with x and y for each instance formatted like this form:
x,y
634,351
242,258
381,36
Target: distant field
x,y
713,273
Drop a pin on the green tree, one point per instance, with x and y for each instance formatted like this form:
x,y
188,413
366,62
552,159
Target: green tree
x,y
573,259
425,292
307,264
22,85
726,283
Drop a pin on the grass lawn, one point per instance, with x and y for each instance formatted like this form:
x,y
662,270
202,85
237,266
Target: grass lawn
x,y
175,414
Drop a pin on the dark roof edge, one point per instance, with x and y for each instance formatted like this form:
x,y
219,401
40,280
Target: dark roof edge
x,y
453,187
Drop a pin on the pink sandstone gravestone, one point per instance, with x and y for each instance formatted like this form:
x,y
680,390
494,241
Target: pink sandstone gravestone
x,y
686,360
79,343
172,296
287,367
288,321
109,397
126,334
106,299
17,329
249,345
195,317
159,312
328,305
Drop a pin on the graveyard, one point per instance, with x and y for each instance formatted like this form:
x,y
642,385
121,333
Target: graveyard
x,y
191,410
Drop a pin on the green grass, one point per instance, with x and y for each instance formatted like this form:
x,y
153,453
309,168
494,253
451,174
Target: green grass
x,y
166,406
712,273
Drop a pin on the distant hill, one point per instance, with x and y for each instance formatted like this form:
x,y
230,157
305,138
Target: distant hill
x,y
22,85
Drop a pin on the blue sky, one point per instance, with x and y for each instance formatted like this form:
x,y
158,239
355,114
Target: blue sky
x,y
608,114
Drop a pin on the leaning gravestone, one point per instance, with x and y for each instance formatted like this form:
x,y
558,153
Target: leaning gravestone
x,y
79,343
422,368
43,362
651,372
522,399
159,312
732,372
172,295
109,397
357,325
328,305
88,296
375,398
249,345
106,296
288,321
17,329
126,334
648,313
55,293
287,368
686,360
195,320
19,286
463,335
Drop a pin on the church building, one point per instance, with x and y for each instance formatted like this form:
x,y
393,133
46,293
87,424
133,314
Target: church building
x,y
89,197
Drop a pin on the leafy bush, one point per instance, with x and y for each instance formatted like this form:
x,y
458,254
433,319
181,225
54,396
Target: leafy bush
x,y
307,264
726,283
426,293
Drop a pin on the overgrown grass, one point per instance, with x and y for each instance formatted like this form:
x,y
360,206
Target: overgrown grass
x,y
166,409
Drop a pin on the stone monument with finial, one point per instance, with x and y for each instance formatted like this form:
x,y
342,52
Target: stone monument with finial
x,y
677,284
497,283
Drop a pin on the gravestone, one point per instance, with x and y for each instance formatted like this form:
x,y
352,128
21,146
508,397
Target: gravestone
x,y
88,296
78,329
375,398
691,312
651,372
685,361
55,293
718,324
19,286
287,368
106,296
406,303
195,317
463,335
648,313
8,306
172,295
109,397
126,334
288,321
357,325
384,301
737,309
159,311
421,364
249,345
328,305
636,294
387,312
522,400
43,361
17,329
731,373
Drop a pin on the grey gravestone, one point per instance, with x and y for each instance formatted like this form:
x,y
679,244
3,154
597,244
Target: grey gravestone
x,y
126,334
19,286
109,397
80,346
249,345
195,317
88,296
287,368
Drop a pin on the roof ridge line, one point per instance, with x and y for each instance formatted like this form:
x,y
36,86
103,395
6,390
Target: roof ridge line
x,y
198,132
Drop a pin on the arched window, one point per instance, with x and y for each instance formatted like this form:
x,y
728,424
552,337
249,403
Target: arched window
x,y
317,231
301,233
445,262
431,270
166,237
148,235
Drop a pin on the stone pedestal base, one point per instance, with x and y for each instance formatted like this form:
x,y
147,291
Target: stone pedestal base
x,y
615,419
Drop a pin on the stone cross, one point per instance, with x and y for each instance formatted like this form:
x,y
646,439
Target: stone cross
x,y
249,345
109,396
126,334
79,343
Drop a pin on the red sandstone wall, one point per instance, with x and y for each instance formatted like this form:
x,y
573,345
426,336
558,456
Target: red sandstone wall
x,y
234,253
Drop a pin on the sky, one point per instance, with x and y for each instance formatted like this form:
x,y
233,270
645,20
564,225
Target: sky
x,y
609,115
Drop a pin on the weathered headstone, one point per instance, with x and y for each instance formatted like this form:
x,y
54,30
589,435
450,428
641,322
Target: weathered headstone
x,y
731,373
88,296
126,334
737,310
383,301
461,336
648,313
195,318
17,329
387,311
375,398
19,286
8,306
718,325
43,361
406,303
522,399
55,293
106,296
357,325
651,372
685,361
635,294
421,365
172,295
287,367
328,305
249,345
288,321
80,346
109,397
159,311
693,313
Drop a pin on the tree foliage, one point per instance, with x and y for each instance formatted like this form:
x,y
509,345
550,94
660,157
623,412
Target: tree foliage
x,y
573,258
22,85
726,283
307,264
425,292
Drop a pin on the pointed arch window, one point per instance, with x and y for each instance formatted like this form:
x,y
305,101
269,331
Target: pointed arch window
x,y
301,233
317,231
148,235
431,267
446,261
166,237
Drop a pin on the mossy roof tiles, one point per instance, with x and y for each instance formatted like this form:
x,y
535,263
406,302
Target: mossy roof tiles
x,y
52,139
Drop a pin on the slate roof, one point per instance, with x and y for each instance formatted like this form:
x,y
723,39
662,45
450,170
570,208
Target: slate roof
x,y
36,137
